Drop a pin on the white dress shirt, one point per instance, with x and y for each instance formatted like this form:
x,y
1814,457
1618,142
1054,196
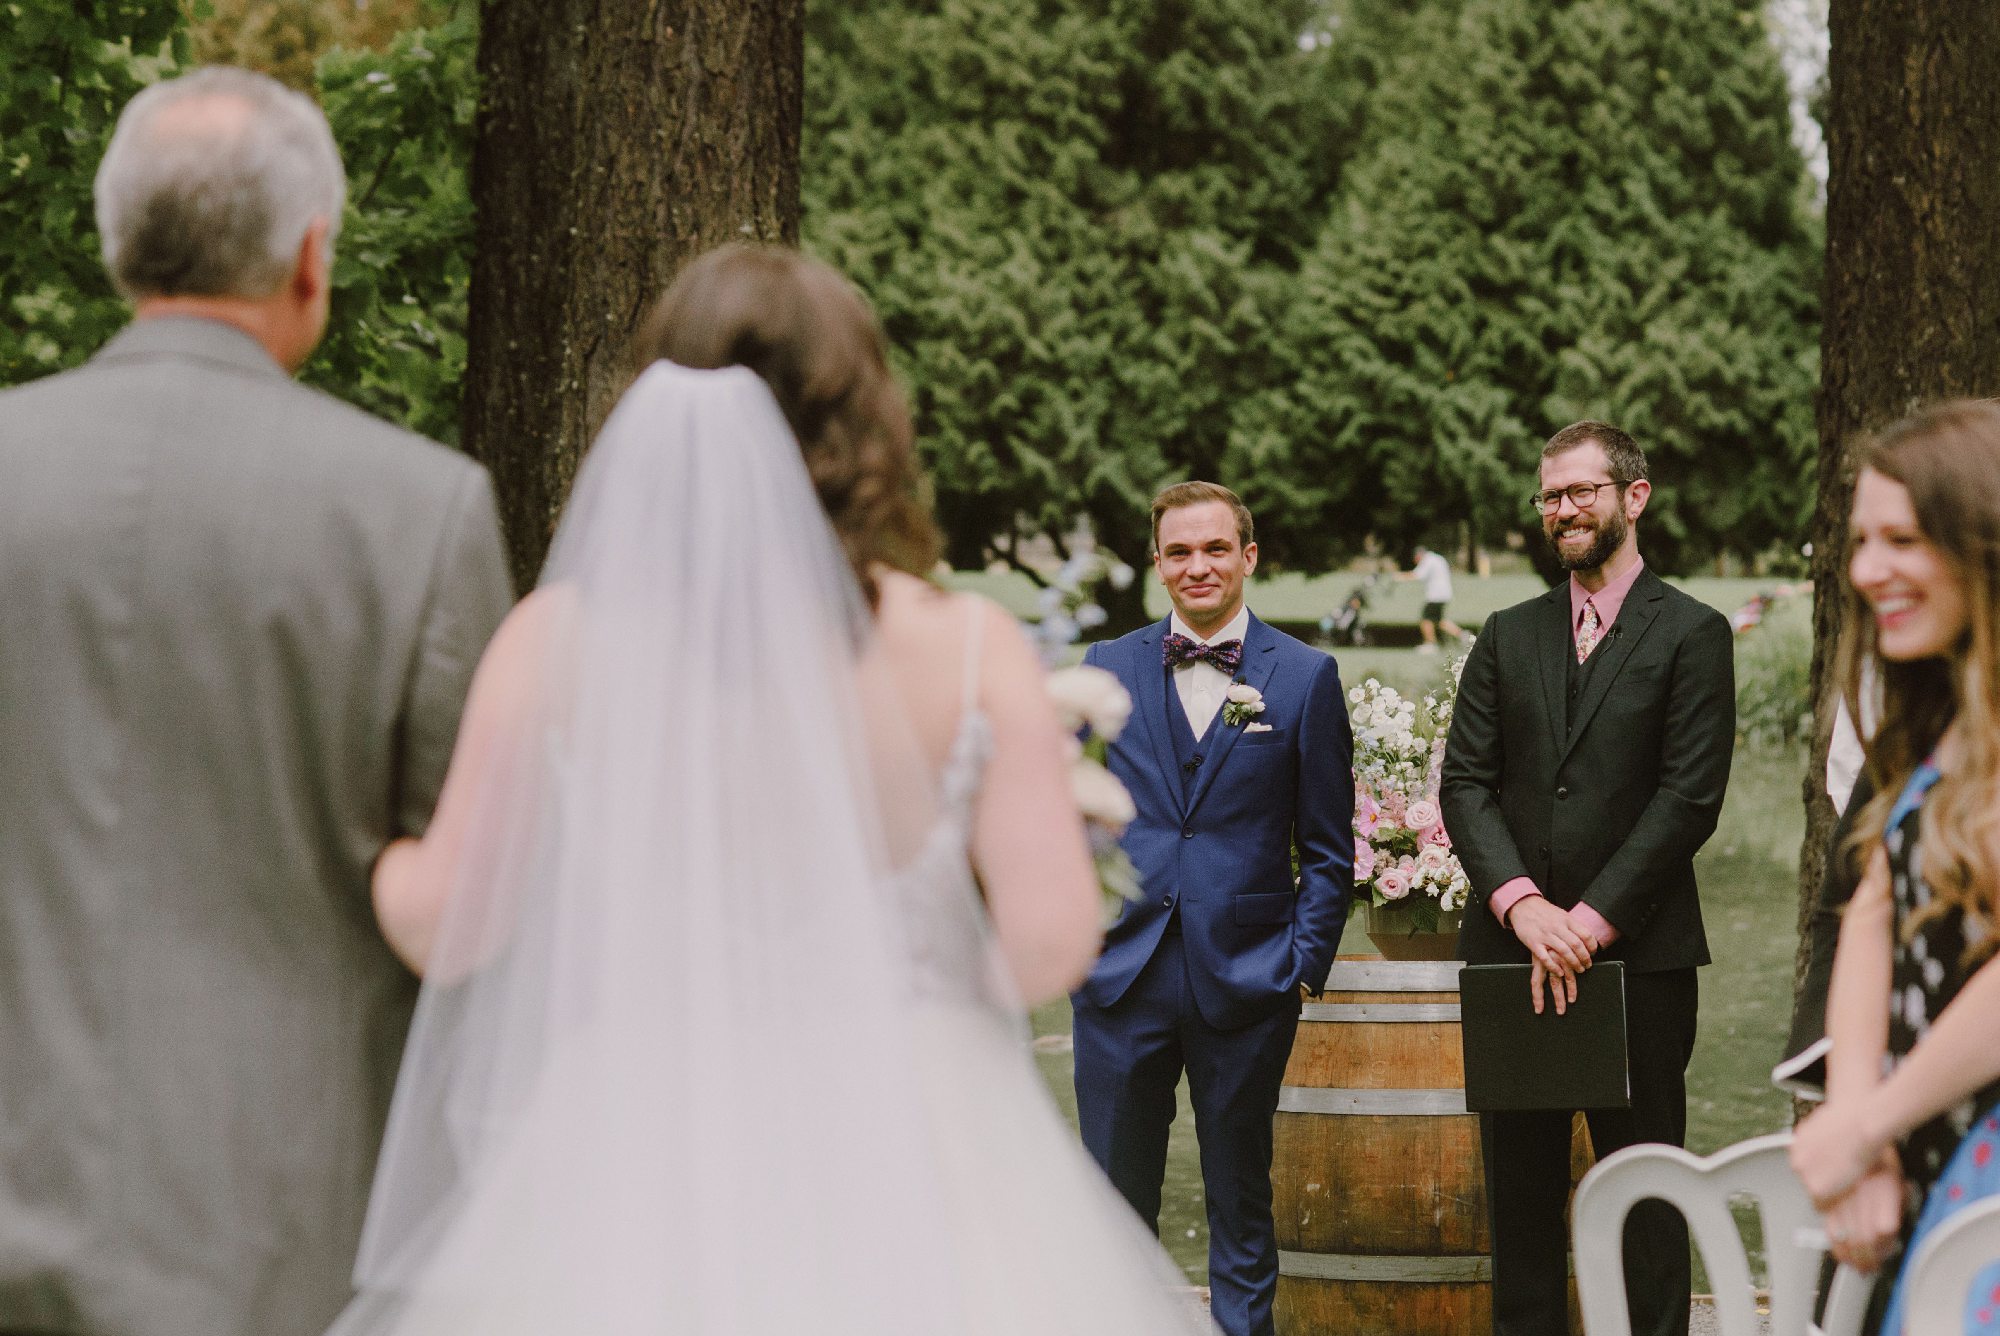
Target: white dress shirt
x,y
1202,685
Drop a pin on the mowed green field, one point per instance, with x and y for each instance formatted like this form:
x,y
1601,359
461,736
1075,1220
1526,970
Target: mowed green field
x,y
1748,874
1291,597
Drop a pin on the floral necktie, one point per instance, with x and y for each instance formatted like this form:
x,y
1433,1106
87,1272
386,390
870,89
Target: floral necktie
x,y
1586,631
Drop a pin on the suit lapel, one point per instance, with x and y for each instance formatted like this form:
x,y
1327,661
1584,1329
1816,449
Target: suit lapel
x,y
1553,638
1260,661
1642,605
1150,675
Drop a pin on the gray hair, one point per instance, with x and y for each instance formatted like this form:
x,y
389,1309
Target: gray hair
x,y
210,184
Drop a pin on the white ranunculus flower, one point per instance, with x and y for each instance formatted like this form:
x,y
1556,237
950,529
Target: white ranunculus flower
x,y
1244,694
1355,695
1100,796
1087,696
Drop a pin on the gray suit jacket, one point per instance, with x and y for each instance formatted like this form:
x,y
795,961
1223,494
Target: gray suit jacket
x,y
238,620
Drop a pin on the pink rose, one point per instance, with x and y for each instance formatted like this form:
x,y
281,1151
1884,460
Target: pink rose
x,y
1436,835
1364,861
1421,813
1393,883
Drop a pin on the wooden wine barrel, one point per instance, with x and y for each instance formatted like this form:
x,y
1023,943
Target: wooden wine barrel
x,y
1378,1184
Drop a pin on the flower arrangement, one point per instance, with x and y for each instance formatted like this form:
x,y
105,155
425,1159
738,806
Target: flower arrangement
x,y
1402,852
1094,707
1068,604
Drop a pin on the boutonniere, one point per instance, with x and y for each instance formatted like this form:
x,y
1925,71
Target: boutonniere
x,y
1245,703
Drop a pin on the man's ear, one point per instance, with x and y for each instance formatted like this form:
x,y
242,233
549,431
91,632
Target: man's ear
x,y
311,270
1250,559
1635,498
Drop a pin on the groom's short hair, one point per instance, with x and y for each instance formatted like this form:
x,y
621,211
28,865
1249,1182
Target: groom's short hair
x,y
1199,493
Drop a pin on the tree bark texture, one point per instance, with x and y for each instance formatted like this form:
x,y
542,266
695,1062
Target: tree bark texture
x,y
1912,288
616,140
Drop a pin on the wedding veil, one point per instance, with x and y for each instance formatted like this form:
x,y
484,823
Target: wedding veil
x,y
662,1076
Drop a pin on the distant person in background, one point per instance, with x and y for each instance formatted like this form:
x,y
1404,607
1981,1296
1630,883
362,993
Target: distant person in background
x,y
1435,572
240,623
1913,1073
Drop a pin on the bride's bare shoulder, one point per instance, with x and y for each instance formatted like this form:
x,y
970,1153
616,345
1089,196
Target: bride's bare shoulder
x,y
917,614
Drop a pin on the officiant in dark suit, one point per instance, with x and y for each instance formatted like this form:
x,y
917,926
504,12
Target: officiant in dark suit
x,y
1238,752
1588,755
240,622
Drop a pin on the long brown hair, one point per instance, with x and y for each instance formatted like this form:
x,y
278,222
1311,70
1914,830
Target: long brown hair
x,y
1948,457
814,340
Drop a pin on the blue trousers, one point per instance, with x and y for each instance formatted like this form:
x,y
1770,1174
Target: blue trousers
x,y
1129,1059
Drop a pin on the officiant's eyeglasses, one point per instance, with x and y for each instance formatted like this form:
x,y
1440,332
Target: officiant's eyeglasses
x,y
1584,494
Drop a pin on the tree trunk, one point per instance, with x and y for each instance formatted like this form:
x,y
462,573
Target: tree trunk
x,y
1912,293
616,139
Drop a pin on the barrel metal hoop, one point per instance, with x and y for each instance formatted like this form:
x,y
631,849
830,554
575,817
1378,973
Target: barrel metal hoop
x,y
1379,1013
1370,1103
1385,1268
1393,976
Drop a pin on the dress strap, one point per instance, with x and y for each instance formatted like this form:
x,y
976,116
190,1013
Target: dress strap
x,y
975,627
1912,796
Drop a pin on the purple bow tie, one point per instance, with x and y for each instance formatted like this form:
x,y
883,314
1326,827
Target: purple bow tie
x,y
1226,655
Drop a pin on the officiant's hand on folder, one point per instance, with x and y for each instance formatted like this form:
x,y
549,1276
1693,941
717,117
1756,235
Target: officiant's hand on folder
x,y
1561,950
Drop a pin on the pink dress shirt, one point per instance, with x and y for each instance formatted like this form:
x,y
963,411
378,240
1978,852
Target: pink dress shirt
x,y
1608,601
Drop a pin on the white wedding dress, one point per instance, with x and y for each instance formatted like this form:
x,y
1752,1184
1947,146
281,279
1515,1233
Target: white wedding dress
x,y
714,1038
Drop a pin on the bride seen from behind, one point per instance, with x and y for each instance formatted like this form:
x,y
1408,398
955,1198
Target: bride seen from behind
x,y
753,844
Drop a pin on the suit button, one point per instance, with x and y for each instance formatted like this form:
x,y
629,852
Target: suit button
x,y
1187,832
1562,793
1166,902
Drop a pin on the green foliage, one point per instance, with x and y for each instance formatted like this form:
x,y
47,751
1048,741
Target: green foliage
x,y
1075,221
395,343
1565,210
1774,676
65,73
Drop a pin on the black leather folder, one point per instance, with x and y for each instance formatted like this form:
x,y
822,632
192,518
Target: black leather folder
x,y
1515,1059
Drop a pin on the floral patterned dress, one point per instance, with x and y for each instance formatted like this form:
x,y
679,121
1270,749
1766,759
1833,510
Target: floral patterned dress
x,y
1928,971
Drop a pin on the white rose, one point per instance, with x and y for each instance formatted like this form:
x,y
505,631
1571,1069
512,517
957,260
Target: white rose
x,y
1100,796
1245,694
1087,696
1356,695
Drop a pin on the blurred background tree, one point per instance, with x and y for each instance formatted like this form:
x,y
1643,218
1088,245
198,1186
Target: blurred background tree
x,y
65,73
1357,257
1560,211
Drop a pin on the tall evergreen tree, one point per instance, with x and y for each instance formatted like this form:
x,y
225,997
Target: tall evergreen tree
x,y
1565,209
1075,220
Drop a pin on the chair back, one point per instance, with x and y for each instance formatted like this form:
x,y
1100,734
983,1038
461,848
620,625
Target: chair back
x,y
1701,1189
1944,1268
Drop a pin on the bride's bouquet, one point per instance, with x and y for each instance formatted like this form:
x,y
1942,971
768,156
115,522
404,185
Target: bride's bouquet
x,y
1092,699
1402,852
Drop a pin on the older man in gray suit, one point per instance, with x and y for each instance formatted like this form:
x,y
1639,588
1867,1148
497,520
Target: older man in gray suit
x,y
237,624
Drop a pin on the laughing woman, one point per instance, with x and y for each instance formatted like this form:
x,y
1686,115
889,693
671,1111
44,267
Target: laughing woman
x,y
1915,981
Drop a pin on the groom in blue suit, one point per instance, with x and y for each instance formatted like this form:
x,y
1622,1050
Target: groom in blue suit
x,y
1237,755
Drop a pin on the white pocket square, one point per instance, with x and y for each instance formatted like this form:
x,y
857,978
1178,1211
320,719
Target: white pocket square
x,y
1256,728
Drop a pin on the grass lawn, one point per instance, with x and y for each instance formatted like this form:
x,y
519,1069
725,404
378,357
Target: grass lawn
x,y
1292,597
1749,898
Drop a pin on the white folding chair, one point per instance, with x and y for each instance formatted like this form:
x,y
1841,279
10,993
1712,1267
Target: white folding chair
x,y
1701,1189
1941,1276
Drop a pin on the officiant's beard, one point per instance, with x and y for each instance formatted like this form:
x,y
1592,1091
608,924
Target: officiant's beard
x,y
1610,537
